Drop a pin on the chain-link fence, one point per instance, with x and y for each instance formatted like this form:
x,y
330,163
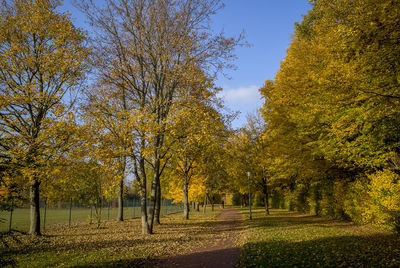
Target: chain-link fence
x,y
68,213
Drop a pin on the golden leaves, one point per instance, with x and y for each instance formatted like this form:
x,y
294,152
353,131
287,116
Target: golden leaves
x,y
332,110
116,242
42,58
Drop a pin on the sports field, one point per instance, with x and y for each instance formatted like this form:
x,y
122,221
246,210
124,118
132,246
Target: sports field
x,y
21,216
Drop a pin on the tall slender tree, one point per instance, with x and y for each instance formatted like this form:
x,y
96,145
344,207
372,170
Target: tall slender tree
x,y
42,58
106,111
156,46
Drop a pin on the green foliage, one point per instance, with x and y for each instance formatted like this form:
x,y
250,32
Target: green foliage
x,y
258,199
277,199
357,200
236,199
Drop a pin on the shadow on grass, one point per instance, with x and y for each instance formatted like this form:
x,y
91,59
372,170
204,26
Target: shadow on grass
x,y
83,245
288,239
44,246
288,219
343,251
220,258
218,226
6,261
120,263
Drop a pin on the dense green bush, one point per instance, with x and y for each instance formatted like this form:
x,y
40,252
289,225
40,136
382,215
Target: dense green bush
x,y
277,199
258,199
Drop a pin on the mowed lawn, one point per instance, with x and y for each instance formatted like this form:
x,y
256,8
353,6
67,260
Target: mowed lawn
x,y
21,216
114,244
290,239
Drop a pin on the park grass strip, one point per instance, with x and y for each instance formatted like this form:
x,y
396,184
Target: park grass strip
x,y
290,239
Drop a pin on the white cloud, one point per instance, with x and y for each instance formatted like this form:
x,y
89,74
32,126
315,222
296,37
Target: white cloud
x,y
243,99
248,95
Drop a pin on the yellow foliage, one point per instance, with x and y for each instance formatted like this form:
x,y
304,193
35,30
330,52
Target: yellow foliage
x,y
174,188
384,191
42,57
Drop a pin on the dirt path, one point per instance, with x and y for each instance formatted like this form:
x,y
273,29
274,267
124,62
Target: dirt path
x,y
222,253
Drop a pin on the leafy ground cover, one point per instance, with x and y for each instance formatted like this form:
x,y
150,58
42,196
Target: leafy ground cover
x,y
224,250
114,244
290,239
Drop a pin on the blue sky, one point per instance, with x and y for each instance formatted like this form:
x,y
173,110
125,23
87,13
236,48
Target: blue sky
x,y
268,25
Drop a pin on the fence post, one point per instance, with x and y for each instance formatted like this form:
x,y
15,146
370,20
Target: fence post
x,y
44,214
164,207
11,214
70,210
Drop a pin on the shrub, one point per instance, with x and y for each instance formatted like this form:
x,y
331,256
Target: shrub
x,y
384,192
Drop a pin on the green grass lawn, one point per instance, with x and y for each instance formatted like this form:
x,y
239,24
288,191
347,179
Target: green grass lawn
x,y
20,217
289,239
114,244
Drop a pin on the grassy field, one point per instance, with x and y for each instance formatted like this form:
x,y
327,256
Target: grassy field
x,y
115,244
20,217
282,239
289,239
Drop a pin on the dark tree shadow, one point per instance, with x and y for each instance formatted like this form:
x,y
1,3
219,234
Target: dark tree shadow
x,y
219,258
379,250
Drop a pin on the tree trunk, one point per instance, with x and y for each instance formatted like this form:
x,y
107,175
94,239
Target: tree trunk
x,y
143,195
197,206
205,204
120,216
143,207
185,199
153,194
158,204
35,209
266,202
266,197
241,201
185,190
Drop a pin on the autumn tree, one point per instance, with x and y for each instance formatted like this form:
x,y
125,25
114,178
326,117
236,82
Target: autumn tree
x,y
154,47
107,113
174,189
260,164
213,165
331,113
197,124
79,173
237,158
42,59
